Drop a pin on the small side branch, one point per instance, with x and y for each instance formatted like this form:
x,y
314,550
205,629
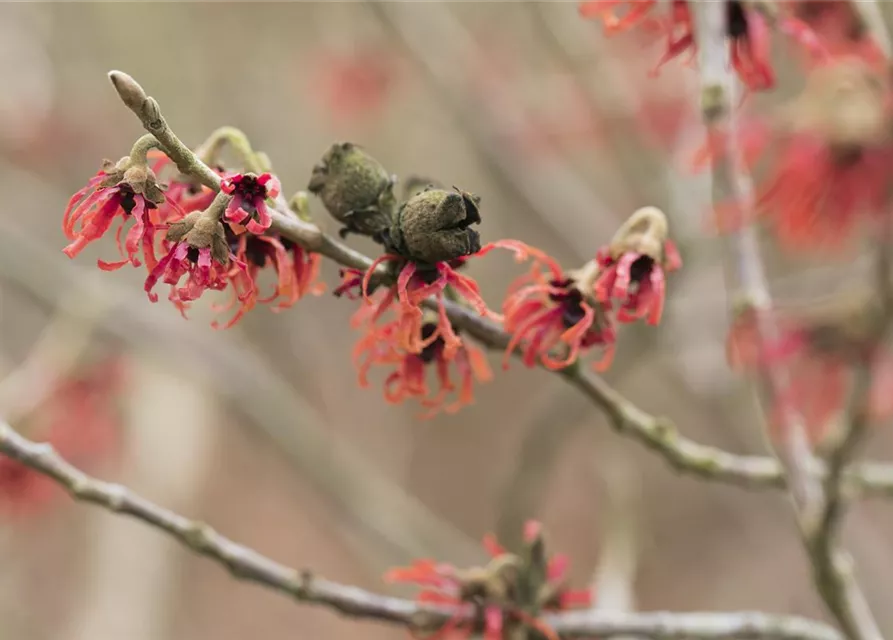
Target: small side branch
x,y
247,564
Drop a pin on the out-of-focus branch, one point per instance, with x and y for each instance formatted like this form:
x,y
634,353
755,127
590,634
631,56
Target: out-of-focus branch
x,y
832,566
871,13
247,564
656,433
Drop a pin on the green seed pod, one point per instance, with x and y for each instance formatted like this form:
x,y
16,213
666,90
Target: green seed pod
x,y
433,226
355,189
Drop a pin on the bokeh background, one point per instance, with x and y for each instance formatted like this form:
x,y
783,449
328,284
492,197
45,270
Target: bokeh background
x,y
262,430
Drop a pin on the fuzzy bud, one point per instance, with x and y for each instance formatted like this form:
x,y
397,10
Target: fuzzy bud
x,y
202,230
433,226
355,189
139,177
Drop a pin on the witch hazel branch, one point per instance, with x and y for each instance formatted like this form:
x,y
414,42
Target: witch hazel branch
x,y
198,227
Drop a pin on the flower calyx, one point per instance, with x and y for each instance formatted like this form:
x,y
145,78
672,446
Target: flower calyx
x,y
133,175
203,230
355,189
434,226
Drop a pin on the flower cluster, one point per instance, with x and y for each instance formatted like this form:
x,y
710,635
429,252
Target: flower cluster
x,y
508,594
206,241
198,233
428,239
548,308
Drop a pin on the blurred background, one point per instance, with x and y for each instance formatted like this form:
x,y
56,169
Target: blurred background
x,y
262,430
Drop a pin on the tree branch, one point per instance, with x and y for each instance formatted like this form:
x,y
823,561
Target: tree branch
x,y
656,433
247,564
832,566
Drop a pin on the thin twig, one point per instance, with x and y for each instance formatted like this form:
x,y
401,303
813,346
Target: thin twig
x,y
832,566
247,564
656,433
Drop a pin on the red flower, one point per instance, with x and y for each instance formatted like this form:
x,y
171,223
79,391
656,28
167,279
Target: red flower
x,y
633,268
296,271
415,284
380,346
818,352
250,193
508,594
546,308
830,159
747,31
202,272
80,420
124,190
637,12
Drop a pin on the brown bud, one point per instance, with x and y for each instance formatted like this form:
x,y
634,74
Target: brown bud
x,y
201,230
139,177
644,232
355,189
843,103
433,226
131,93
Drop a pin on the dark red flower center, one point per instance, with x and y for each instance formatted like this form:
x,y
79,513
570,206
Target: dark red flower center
x,y
249,188
430,353
641,268
570,299
192,254
127,198
736,20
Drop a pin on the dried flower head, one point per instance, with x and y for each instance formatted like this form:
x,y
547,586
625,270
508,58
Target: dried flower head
x,y
434,226
355,189
632,269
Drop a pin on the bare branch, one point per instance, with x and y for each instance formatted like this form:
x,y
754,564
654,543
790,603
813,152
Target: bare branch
x,y
832,566
656,433
247,564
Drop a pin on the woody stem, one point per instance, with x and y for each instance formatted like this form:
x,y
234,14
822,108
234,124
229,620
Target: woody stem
x,y
217,207
210,149
141,148
652,432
